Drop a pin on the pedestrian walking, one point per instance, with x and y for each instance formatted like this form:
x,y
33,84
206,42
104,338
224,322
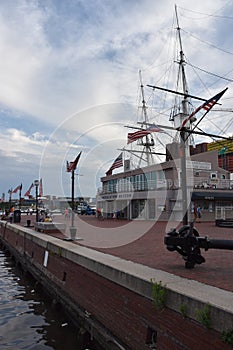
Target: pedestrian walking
x,y
195,212
199,214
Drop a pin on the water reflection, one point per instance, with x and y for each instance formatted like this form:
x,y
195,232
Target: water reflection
x,y
28,317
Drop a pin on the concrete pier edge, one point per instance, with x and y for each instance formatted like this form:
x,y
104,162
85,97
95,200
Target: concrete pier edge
x,y
138,278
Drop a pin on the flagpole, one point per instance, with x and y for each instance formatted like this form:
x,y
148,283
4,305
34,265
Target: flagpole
x,y
10,194
72,198
71,167
73,229
20,198
36,184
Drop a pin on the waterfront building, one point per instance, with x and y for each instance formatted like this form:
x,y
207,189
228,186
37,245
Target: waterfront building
x,y
154,192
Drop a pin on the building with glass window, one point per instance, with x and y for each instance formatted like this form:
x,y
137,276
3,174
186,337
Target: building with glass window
x,y
154,192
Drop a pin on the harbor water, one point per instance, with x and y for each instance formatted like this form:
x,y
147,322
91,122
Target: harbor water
x,y
28,317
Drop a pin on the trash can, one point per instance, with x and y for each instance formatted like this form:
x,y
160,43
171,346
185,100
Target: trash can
x,y
17,215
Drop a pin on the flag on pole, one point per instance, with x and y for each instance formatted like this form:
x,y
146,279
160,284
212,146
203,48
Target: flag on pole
x,y
207,105
18,188
72,165
40,189
133,136
118,162
27,194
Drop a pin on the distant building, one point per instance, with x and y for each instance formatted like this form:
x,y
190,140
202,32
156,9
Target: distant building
x,y
225,152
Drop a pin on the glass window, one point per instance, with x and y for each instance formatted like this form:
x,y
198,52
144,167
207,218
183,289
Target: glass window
x,y
152,183
111,186
137,184
142,182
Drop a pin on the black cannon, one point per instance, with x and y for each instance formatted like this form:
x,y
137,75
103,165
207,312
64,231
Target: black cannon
x,y
186,242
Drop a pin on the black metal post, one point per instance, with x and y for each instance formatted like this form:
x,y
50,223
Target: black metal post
x,y
20,198
72,227
36,183
72,198
184,178
10,194
70,167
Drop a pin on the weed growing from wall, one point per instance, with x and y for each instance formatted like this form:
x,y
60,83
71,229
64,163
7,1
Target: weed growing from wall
x,y
183,310
203,316
159,295
227,337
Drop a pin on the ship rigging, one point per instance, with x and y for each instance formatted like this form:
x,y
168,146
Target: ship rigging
x,y
185,124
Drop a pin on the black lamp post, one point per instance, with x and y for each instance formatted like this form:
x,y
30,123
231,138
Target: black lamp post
x,y
71,167
72,198
10,195
20,192
36,184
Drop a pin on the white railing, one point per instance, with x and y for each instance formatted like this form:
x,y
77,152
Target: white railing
x,y
224,213
205,183
150,185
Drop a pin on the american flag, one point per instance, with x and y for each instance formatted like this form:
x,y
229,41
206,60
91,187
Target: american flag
x,y
133,136
27,194
207,105
70,166
18,188
118,162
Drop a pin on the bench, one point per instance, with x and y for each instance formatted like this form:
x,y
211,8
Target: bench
x,y
49,227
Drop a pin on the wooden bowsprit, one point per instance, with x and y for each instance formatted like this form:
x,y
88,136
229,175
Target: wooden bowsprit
x,y
186,242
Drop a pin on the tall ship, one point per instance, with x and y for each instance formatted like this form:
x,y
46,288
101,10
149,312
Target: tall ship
x,y
166,172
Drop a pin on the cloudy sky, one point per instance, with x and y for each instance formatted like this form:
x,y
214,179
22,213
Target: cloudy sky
x,y
70,80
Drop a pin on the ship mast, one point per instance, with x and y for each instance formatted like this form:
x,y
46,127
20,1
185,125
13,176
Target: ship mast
x,y
148,143
183,76
180,115
184,146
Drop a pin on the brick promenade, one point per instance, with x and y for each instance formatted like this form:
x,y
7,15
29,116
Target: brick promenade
x,y
143,242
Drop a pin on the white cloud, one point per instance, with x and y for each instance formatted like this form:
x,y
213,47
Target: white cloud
x,y
73,66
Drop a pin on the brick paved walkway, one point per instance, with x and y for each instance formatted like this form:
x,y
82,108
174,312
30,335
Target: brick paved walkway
x,y
143,242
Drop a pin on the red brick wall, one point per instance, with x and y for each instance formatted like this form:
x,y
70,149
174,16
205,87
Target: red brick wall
x,y
124,313
128,315
226,162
